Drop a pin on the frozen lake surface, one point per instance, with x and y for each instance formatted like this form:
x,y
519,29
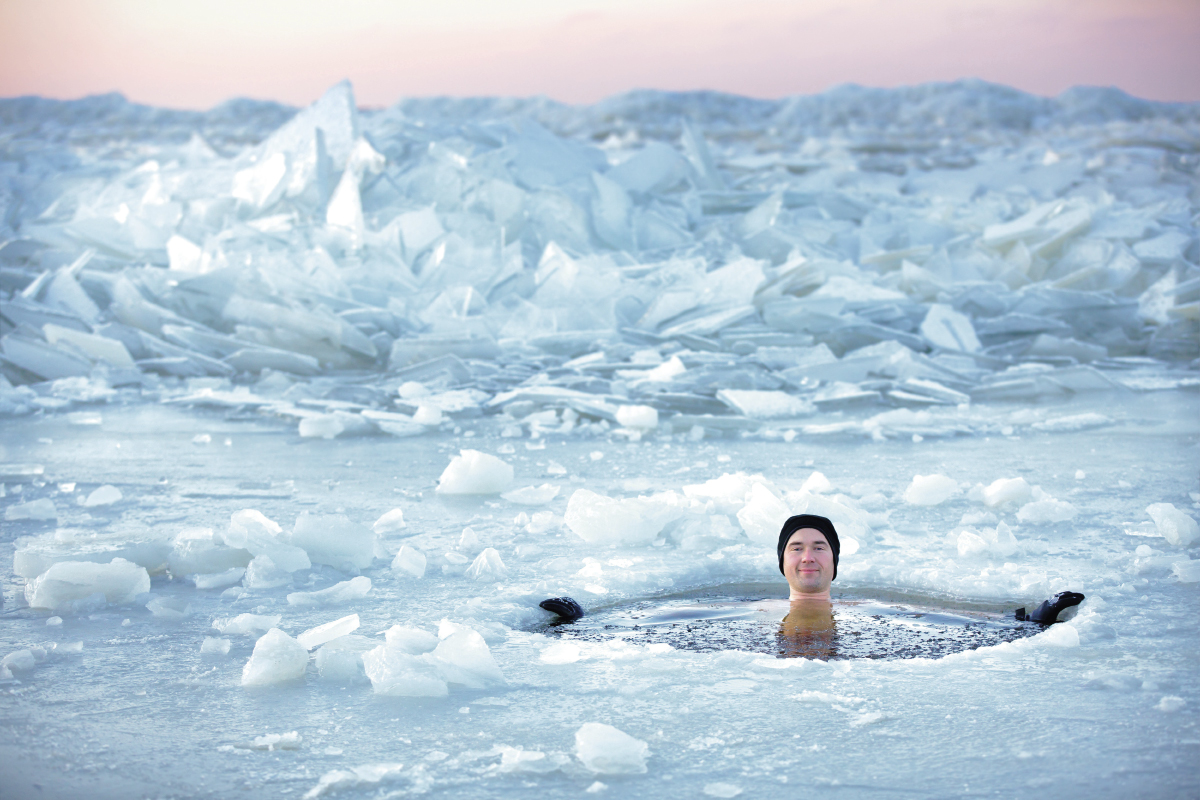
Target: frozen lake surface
x,y
302,414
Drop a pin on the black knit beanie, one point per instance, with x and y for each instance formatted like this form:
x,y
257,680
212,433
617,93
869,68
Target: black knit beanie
x,y
810,521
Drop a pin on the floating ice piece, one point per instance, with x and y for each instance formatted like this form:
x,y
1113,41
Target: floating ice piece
x,y
218,580
641,418
264,573
341,659
532,495
930,490
195,551
409,562
334,540
365,775
473,472
40,509
462,657
1047,510
1176,527
413,641
604,520
277,658
517,760
246,624
1007,490
761,404
1073,422
605,750
321,634
104,496
213,646
1186,571
253,532
390,522
950,330
763,515
170,609
487,566
399,674
277,741
339,593
722,790
69,582
19,661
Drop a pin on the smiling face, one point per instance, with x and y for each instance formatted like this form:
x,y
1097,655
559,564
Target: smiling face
x,y
808,564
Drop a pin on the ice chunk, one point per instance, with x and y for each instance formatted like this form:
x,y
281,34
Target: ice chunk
x,y
334,540
930,490
1007,490
104,496
328,632
40,509
1186,571
641,418
277,658
462,657
949,329
397,673
971,543
252,531
365,775
212,646
1045,510
763,515
196,551
760,404
418,230
487,566
816,483
19,661
409,562
245,624
97,348
341,658
277,741
170,609
390,522
339,593
722,790
473,472
69,582
413,641
218,580
532,495
1176,527
606,750
604,520
264,573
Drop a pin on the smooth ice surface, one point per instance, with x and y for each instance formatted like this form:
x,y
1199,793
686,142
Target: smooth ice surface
x,y
271,330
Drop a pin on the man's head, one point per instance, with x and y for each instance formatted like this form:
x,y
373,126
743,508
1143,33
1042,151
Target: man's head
x,y
808,554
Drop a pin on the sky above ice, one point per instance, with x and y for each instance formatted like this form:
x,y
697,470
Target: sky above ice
x,y
191,54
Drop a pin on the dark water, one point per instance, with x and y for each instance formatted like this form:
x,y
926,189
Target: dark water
x,y
850,627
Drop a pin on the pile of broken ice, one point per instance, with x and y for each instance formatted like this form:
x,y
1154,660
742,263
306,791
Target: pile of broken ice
x,y
701,262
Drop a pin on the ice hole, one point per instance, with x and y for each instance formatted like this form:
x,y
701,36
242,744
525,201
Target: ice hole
x,y
860,623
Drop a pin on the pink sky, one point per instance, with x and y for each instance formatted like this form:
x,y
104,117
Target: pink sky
x,y
190,54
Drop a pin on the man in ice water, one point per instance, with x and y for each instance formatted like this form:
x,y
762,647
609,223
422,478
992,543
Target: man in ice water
x,y
808,558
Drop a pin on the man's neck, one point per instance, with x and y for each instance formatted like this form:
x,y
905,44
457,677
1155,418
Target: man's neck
x,y
799,597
